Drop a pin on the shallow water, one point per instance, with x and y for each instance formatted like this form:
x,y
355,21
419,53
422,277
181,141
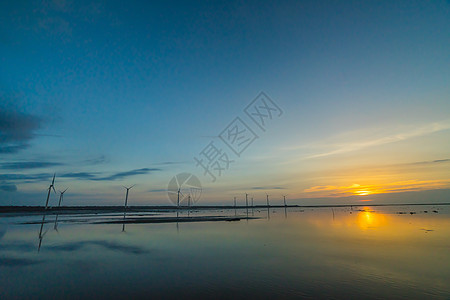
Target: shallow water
x,y
371,252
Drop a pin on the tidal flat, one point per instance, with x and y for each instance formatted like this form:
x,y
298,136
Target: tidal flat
x,y
369,252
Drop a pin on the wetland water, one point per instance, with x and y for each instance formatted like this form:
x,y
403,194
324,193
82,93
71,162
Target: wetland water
x,y
360,252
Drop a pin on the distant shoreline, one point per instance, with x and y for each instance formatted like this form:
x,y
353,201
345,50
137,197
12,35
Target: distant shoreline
x,y
116,208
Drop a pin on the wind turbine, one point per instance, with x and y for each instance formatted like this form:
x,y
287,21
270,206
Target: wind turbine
x,y
178,197
267,199
126,195
61,196
246,200
284,198
52,186
125,207
234,202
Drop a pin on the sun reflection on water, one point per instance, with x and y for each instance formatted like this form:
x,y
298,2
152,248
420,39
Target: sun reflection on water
x,y
368,219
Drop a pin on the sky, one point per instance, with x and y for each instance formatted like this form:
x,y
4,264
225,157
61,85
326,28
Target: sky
x,y
326,102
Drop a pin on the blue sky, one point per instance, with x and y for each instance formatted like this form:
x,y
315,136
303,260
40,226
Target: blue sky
x,y
109,93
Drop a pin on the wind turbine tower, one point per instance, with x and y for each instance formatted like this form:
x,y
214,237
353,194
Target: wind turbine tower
x,y
126,195
61,196
52,186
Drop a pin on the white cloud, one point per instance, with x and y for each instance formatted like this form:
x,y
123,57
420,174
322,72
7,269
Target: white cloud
x,y
339,148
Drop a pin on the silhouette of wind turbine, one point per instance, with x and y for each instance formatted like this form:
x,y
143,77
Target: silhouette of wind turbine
x,y
61,196
125,207
284,198
178,197
126,195
52,186
267,199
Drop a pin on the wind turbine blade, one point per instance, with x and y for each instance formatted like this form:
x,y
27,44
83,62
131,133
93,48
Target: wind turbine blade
x,y
53,189
65,190
131,186
53,181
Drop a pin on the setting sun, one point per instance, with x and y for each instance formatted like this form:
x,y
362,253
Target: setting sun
x,y
362,193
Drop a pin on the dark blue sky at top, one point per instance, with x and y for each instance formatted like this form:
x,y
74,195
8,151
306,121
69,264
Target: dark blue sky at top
x,y
141,83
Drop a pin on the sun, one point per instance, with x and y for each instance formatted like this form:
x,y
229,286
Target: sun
x,y
362,192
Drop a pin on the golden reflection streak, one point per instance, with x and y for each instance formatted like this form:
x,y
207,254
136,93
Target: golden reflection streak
x,y
368,219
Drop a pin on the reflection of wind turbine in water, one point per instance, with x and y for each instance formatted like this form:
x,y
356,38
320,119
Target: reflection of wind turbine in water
x,y
41,235
61,195
285,206
126,205
52,186
189,204
246,204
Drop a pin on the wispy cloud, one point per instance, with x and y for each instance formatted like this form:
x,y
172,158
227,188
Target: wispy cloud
x,y
25,177
345,147
267,188
94,176
80,175
28,165
437,161
122,175
95,161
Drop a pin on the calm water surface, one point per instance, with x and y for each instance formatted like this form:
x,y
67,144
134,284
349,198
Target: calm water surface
x,y
342,253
